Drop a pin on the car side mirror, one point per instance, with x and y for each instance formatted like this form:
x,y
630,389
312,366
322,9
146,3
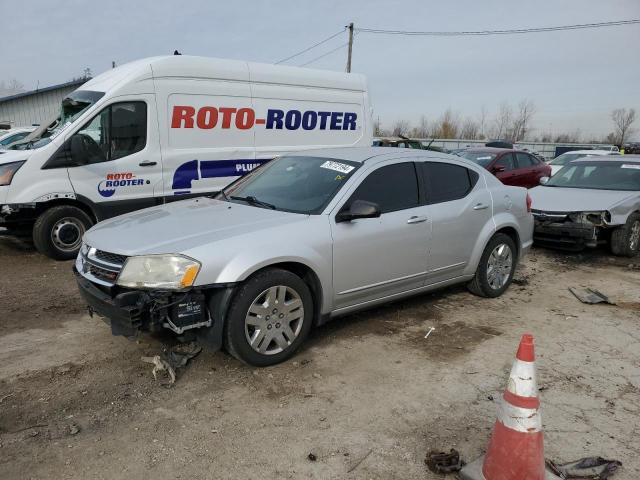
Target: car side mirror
x,y
498,168
543,180
359,209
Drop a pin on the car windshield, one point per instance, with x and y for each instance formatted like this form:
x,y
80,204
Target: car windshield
x,y
566,158
598,176
293,184
481,158
71,108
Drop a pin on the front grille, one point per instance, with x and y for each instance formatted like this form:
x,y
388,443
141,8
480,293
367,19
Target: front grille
x,y
112,258
99,266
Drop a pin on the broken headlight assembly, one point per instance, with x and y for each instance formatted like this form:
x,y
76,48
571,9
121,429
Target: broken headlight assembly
x,y
595,218
7,171
167,272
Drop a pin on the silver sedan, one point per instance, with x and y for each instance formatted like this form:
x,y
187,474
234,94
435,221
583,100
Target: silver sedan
x,y
301,240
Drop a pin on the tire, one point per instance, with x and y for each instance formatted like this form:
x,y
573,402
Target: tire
x,y
483,284
58,231
625,240
262,293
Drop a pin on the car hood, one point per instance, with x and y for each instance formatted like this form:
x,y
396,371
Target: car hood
x,y
180,226
8,156
557,199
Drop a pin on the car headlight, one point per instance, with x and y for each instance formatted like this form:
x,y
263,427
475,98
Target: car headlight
x,y
172,272
7,171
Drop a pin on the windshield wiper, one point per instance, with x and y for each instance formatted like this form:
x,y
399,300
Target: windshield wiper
x,y
251,200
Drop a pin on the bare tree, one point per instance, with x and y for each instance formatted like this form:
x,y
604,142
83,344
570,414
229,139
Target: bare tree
x,y
422,129
377,128
483,121
622,120
522,120
447,126
400,127
470,129
502,122
569,137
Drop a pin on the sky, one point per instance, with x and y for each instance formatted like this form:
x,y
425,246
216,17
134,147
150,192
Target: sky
x,y
574,78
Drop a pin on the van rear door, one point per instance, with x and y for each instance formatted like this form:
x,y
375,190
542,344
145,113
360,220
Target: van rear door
x,y
124,167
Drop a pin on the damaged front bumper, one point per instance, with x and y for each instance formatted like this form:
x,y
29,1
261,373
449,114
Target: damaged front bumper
x,y
197,314
571,231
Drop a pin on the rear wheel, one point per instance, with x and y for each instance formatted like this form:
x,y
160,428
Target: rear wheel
x,y
269,318
496,267
625,240
58,231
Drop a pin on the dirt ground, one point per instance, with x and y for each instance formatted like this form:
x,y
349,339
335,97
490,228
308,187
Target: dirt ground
x,y
368,395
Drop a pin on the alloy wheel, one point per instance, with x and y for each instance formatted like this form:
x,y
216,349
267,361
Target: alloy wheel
x,y
499,266
634,237
274,320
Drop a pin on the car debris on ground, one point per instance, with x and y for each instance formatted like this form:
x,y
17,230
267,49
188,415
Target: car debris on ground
x,y
172,359
595,468
442,462
590,296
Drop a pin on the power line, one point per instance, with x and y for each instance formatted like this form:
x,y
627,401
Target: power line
x,y
501,32
311,47
325,54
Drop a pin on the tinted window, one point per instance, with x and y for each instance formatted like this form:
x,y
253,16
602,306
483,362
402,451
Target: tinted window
x,y
117,131
507,162
394,187
446,182
14,138
524,160
481,158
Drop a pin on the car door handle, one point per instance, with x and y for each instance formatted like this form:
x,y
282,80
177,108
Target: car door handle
x,y
480,206
147,163
416,219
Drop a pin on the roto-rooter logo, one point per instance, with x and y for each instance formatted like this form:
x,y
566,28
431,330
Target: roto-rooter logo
x,y
207,118
108,187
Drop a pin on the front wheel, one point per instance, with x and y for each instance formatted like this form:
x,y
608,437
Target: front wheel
x,y
58,231
496,267
625,240
269,318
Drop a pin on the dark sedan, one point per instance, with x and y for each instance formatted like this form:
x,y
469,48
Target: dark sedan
x,y
512,167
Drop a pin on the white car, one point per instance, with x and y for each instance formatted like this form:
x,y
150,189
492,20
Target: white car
x,y
562,160
7,137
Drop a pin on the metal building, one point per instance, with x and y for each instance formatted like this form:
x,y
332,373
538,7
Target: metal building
x,y
37,106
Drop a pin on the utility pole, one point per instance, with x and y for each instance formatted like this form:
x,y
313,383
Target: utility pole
x,y
350,27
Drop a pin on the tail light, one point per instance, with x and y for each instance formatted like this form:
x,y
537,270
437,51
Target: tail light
x,y
529,203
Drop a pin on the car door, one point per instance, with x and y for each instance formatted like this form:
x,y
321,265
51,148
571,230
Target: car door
x,y
529,168
123,170
506,170
379,257
459,207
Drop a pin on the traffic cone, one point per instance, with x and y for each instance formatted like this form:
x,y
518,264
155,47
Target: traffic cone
x,y
516,449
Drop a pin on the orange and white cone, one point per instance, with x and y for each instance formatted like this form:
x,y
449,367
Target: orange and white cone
x,y
516,449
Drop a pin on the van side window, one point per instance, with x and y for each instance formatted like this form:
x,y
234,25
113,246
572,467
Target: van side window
x,y
117,131
445,181
393,187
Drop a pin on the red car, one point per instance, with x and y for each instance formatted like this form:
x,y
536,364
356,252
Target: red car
x,y
512,167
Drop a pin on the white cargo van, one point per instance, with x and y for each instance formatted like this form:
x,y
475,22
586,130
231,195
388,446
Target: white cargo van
x,y
164,128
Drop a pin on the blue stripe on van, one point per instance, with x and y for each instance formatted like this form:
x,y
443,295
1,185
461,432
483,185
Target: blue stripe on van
x,y
186,173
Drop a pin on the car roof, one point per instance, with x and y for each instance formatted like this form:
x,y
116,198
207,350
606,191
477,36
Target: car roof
x,y
493,150
362,154
589,152
635,159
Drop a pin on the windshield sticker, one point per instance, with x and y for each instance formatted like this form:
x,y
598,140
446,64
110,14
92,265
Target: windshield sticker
x,y
631,165
337,166
483,158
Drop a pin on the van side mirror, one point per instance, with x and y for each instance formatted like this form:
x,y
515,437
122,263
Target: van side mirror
x,y
543,180
359,209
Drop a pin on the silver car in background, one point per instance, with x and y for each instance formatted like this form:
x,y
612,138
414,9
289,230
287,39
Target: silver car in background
x,y
304,238
591,201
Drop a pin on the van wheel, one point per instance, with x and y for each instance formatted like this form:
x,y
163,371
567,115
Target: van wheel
x,y
625,240
58,231
269,318
496,267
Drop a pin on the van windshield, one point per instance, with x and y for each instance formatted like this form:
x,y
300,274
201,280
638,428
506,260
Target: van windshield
x,y
73,105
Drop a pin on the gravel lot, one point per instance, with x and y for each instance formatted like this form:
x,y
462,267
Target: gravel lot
x,y
76,402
